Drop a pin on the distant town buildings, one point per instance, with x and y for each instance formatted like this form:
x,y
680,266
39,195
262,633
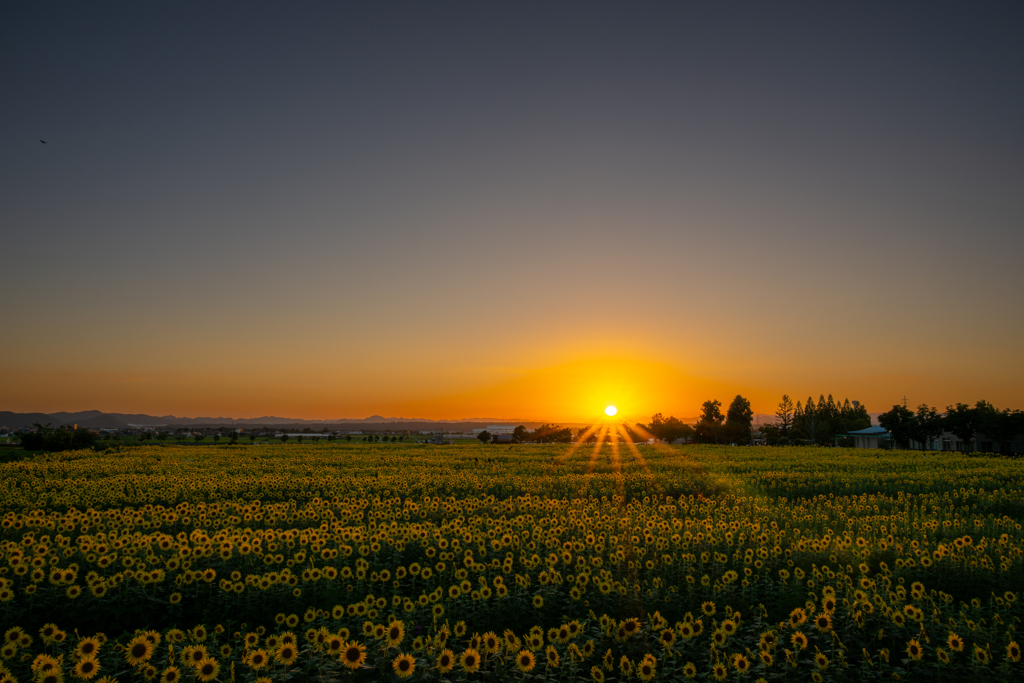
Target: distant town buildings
x,y
495,430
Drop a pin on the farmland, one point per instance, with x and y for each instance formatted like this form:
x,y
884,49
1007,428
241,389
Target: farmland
x,y
552,562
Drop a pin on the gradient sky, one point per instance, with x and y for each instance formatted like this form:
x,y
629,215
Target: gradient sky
x,y
449,210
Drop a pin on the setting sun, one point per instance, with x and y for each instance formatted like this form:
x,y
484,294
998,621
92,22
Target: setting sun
x,y
610,411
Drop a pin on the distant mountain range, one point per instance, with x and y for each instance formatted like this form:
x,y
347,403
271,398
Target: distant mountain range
x,y
99,419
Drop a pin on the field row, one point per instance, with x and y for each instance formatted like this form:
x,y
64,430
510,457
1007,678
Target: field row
x,y
694,555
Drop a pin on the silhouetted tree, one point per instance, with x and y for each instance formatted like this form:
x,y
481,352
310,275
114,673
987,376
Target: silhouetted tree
x,y
65,438
520,434
708,427
927,425
962,420
668,429
900,422
784,415
738,419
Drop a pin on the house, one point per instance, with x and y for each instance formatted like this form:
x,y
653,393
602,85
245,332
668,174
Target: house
x,y
872,437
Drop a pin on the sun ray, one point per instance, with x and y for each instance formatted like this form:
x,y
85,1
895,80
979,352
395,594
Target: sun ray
x,y
592,465
642,431
576,444
659,446
633,449
620,482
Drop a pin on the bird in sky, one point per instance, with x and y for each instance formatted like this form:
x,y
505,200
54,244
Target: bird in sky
x,y
43,141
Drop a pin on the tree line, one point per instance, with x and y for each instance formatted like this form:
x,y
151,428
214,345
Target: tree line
x,y
64,438
964,421
711,427
547,433
814,422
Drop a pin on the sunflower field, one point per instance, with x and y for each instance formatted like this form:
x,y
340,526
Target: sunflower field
x,y
611,562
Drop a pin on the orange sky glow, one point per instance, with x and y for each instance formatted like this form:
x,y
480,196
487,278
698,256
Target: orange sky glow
x,y
452,212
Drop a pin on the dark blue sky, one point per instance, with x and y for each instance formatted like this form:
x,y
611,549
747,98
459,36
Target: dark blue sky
x,y
849,177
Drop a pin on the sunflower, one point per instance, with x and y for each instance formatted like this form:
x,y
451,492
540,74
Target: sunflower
x,y
596,674
728,627
256,660
171,674
44,663
646,670
690,670
980,655
719,671
445,661
286,654
334,644
353,655
491,642
469,660
395,634
138,651
86,668
766,657
538,601
207,670
942,655
741,663
797,617
87,646
799,640
667,638
526,661
708,608
823,622
956,644
404,665
1013,651
821,661
914,650
551,656
194,655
